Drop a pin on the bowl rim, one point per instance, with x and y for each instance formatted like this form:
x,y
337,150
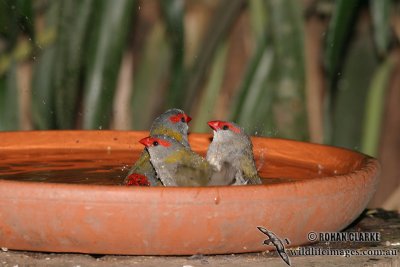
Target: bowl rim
x,y
368,164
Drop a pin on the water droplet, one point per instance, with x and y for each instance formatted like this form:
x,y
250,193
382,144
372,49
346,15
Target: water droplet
x,y
100,127
44,102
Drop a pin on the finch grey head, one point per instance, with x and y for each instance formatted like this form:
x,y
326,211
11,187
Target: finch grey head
x,y
173,123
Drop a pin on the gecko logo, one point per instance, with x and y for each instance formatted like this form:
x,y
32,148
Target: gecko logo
x,y
276,241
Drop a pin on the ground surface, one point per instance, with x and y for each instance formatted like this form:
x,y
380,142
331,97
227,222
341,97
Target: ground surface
x,y
386,223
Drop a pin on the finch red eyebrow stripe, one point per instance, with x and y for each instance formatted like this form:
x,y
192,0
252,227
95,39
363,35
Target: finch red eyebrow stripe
x,y
232,128
218,125
148,141
162,142
176,118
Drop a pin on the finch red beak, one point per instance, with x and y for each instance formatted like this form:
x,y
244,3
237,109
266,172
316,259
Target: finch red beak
x,y
187,118
215,125
147,141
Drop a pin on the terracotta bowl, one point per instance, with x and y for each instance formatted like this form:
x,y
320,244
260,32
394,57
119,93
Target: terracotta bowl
x,y
308,187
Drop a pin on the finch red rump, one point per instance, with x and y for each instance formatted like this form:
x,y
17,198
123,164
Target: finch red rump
x,y
222,125
137,180
180,117
151,141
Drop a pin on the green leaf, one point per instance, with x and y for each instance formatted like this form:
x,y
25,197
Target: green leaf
x,y
43,108
8,24
246,82
16,16
72,34
43,114
349,109
26,17
220,24
258,17
209,97
271,98
375,106
147,96
110,28
257,115
174,14
339,29
289,103
254,88
9,112
380,11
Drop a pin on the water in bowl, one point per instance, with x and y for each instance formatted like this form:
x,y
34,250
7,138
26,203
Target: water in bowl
x,y
110,167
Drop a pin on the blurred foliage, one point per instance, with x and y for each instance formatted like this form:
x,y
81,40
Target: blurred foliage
x,y
375,106
183,53
348,113
9,100
43,91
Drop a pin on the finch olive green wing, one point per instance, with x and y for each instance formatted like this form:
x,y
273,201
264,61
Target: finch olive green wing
x,y
191,176
249,170
191,168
